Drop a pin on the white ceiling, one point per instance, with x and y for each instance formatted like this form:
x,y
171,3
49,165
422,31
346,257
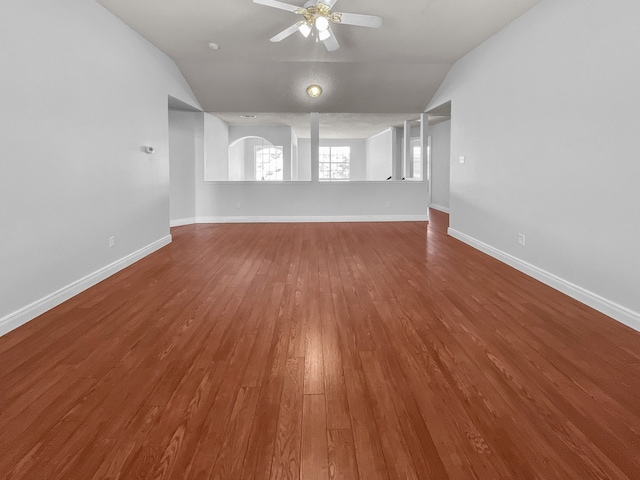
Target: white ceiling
x,y
394,69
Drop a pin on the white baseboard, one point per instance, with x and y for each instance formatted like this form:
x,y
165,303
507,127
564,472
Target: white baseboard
x,y
315,219
595,301
439,208
182,221
25,314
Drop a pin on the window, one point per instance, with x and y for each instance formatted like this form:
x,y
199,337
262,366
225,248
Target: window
x,y
334,163
269,162
417,162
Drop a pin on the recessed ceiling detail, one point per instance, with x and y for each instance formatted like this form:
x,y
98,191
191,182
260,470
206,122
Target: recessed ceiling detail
x,y
316,21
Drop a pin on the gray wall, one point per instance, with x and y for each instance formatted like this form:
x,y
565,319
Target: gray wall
x,y
297,201
546,114
215,135
182,167
305,201
380,155
81,93
440,164
295,159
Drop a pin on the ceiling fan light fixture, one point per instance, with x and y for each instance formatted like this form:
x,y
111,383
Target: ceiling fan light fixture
x,y
314,91
305,29
322,23
318,17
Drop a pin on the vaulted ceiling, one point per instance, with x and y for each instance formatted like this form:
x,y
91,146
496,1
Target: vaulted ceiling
x,y
394,69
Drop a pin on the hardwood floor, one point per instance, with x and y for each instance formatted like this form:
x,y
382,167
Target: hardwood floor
x,y
320,351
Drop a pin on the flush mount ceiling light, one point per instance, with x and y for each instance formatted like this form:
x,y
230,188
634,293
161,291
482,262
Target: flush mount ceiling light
x,y
314,91
318,14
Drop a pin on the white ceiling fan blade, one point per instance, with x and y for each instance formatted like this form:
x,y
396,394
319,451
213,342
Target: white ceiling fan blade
x,y
331,42
359,20
276,4
286,33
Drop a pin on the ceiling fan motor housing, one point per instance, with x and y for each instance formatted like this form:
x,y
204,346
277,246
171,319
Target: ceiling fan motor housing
x,y
312,12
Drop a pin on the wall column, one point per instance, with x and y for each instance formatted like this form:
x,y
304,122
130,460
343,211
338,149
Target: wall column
x,y
407,160
315,146
424,151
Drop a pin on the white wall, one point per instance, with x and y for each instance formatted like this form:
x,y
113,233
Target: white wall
x,y
311,201
294,156
216,145
546,113
440,164
236,162
379,155
218,201
182,167
81,93
304,159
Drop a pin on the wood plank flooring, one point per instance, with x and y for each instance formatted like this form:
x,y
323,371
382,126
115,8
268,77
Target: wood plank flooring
x,y
320,351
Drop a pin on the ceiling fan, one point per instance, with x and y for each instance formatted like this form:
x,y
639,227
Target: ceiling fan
x,y
320,16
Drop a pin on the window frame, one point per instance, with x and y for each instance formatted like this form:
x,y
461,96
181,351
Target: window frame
x,y
332,162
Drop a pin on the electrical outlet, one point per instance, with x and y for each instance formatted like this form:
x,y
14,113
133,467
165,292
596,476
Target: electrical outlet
x,y
521,239
112,242
238,205
388,204
462,159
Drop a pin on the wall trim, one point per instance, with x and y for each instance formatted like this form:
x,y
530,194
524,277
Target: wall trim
x,y
314,219
593,300
439,208
28,313
182,221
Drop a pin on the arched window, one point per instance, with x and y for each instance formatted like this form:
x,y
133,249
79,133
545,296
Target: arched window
x,y
255,158
269,161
